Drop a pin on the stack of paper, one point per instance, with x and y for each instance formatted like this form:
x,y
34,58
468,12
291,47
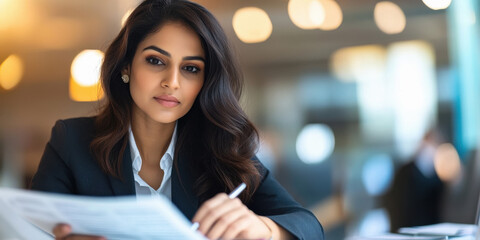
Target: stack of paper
x,y
111,217
14,227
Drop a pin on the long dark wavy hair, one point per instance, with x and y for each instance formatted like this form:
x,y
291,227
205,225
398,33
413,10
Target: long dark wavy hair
x,y
215,131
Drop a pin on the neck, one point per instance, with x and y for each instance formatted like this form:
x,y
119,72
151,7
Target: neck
x,y
152,138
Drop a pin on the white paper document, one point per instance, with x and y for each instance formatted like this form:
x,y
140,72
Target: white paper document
x,y
112,217
14,227
442,229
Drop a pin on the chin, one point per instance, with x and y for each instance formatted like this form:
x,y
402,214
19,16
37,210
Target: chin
x,y
165,119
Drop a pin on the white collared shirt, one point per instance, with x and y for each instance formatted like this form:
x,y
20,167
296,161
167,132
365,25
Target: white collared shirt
x,y
141,187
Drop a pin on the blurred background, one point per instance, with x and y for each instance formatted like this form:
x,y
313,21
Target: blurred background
x,y
368,110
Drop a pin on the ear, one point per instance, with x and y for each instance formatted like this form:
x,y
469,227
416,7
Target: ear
x,y
126,70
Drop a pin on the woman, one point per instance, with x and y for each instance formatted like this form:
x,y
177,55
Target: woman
x,y
172,126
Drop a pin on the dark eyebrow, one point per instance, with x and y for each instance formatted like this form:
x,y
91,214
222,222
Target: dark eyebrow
x,y
195,58
155,48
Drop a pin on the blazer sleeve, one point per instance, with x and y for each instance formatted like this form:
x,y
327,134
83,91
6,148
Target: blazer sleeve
x,y
53,174
273,201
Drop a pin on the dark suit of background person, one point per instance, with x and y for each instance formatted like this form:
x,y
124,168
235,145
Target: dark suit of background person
x,y
414,199
416,194
67,166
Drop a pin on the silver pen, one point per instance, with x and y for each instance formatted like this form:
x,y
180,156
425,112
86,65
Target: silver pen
x,y
232,195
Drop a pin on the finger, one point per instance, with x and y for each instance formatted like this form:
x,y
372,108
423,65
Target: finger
x,y
208,206
236,228
61,230
225,220
215,213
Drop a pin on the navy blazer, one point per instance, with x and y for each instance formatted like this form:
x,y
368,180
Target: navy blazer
x,y
68,166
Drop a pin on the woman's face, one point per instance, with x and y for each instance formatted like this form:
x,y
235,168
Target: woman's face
x,y
167,73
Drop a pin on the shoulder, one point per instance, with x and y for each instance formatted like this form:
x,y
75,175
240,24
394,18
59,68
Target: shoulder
x,y
72,132
77,123
67,164
82,125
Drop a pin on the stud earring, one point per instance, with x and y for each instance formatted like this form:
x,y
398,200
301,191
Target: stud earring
x,y
125,78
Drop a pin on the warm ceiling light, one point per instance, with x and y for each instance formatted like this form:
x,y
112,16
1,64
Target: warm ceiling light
x,y
86,67
79,93
10,12
437,4
252,25
306,14
358,63
333,15
389,17
316,12
11,72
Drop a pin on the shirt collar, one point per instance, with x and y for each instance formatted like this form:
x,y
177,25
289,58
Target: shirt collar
x,y
167,158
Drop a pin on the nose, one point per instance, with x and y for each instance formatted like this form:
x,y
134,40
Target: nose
x,y
171,78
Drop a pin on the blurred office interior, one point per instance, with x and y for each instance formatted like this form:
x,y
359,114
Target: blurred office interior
x,y
367,109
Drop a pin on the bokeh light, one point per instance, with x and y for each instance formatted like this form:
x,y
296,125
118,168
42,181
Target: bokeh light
x,y
86,67
333,15
389,17
437,4
11,72
315,143
79,93
313,11
306,14
377,174
412,77
10,10
252,25
447,162
358,63
375,222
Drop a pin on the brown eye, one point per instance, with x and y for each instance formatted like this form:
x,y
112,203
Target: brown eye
x,y
192,69
154,61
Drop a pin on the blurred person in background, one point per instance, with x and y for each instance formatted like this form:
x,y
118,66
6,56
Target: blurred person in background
x,y
172,126
415,197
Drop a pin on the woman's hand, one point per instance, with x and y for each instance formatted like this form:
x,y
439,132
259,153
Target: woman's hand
x,y
222,217
62,232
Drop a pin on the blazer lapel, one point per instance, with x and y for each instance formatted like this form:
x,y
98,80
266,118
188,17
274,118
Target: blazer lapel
x,y
182,187
126,185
